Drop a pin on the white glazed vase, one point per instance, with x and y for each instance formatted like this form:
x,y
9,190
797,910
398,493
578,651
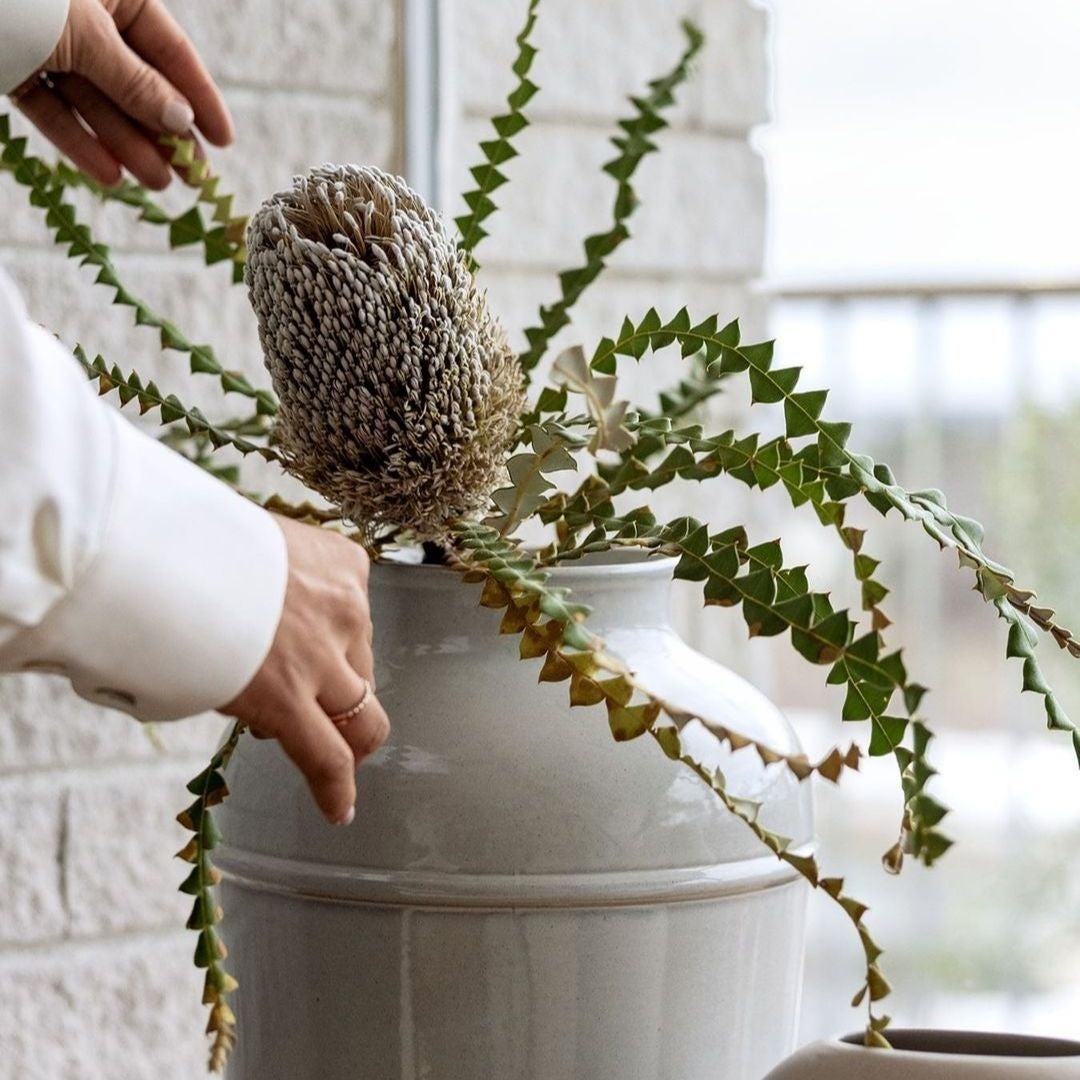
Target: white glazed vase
x,y
519,898
936,1055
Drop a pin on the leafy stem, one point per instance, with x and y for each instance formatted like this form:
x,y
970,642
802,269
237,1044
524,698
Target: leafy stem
x,y
47,192
225,238
839,474
706,339
551,626
776,600
499,150
994,582
875,986
148,397
210,789
634,144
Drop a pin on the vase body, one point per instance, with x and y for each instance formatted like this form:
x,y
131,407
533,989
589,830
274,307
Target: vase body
x,y
519,898
936,1055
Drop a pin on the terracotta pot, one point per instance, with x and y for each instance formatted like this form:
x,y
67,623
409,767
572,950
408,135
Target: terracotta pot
x,y
936,1055
520,898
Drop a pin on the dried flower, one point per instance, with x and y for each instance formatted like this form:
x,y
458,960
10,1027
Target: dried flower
x,y
399,393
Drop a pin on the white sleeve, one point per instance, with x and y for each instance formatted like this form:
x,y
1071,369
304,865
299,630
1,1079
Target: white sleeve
x,y
29,31
153,587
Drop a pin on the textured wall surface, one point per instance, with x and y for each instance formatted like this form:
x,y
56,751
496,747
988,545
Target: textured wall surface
x,y
95,974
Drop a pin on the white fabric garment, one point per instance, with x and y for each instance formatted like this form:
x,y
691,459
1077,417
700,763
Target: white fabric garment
x,y
151,585
29,31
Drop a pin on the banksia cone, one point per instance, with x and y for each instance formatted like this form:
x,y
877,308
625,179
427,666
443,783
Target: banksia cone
x,y
399,393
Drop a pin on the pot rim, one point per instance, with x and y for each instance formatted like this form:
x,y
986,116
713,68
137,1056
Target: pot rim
x,y
944,1044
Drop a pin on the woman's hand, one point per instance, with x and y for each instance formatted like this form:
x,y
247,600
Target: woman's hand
x,y
320,665
122,74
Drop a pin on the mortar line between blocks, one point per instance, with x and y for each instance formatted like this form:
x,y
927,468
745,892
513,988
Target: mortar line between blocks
x,y
90,772
62,856
14,953
604,123
313,94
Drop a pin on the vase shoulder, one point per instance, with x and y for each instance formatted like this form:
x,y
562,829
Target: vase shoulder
x,y
488,772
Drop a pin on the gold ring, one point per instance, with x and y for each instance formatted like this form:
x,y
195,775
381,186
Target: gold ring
x,y
357,709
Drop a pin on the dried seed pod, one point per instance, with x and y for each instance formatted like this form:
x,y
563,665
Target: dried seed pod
x,y
399,393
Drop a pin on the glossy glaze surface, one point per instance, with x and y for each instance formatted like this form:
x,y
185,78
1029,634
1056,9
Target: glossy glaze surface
x,y
519,898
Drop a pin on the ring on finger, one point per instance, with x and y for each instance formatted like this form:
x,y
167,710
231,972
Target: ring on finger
x,y
357,709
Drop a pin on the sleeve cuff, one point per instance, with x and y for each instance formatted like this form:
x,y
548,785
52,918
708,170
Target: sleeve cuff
x,y
179,609
31,29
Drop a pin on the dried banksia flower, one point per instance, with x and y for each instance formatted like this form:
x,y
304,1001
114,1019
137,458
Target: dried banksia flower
x,y
399,393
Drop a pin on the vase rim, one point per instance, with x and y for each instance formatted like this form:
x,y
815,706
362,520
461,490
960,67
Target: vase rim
x,y
943,1044
616,565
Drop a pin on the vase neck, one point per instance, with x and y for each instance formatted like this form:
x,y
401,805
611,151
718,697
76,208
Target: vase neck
x,y
433,604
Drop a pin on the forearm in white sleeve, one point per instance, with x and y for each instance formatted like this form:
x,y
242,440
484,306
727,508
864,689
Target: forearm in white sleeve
x,y
29,31
151,585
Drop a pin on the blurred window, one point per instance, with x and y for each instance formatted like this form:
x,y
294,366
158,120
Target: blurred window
x,y
924,263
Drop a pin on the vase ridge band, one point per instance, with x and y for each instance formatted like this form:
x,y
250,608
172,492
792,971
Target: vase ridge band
x,y
270,873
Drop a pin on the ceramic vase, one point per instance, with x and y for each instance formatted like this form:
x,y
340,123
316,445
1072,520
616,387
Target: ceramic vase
x,y
936,1055
519,898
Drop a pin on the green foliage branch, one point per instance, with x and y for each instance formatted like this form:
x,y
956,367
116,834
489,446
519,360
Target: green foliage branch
x,y
826,474
210,789
499,150
634,144
130,388
48,192
224,239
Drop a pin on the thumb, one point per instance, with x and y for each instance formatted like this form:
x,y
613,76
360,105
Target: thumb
x,y
137,88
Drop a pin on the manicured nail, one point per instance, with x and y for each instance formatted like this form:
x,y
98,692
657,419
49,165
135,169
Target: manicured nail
x,y
347,818
177,117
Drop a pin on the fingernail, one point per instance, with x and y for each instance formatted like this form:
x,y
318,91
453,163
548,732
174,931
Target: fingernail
x,y
177,117
347,817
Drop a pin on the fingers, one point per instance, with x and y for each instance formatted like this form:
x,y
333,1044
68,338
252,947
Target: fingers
x,y
361,659
140,91
358,650
126,142
322,754
320,663
343,689
367,732
368,729
156,36
357,617
52,116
